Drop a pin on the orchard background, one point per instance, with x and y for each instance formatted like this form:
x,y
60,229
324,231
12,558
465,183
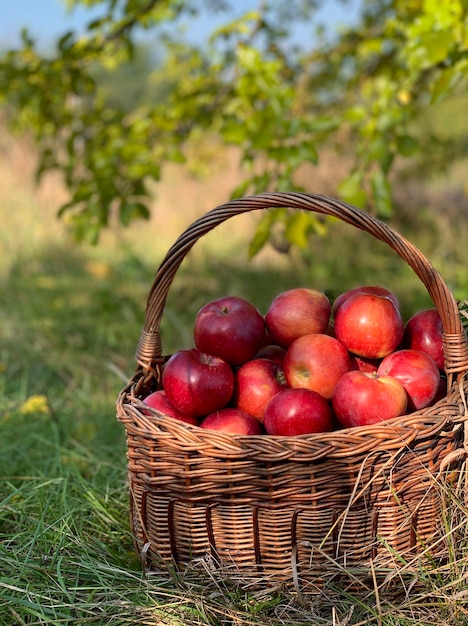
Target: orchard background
x,y
112,142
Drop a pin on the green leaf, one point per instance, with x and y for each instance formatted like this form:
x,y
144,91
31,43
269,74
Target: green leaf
x,y
380,151
351,189
84,228
407,145
322,124
298,228
130,211
437,45
66,41
263,231
240,190
444,83
355,114
307,153
84,191
260,238
381,193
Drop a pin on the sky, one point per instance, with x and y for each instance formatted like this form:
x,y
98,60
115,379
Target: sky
x,y
46,20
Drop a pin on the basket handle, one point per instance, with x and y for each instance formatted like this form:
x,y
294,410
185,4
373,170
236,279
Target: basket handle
x,y
149,350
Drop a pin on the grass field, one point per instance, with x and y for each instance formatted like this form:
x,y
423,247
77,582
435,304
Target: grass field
x,y
69,324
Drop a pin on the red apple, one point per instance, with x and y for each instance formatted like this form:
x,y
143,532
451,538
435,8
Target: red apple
x,y
298,412
295,313
256,382
231,328
273,352
369,325
159,401
234,421
197,383
316,362
418,374
363,398
375,289
423,331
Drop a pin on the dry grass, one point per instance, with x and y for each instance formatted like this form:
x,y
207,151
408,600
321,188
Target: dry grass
x,y
29,210
183,194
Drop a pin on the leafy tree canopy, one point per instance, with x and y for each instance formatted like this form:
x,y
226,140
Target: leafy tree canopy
x,y
248,85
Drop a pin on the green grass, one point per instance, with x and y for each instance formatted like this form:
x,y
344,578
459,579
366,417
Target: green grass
x,y
69,324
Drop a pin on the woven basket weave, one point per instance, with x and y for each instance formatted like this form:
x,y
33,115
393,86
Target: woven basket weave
x,y
284,508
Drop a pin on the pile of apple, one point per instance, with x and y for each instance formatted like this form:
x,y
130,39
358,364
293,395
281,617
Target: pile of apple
x,y
306,366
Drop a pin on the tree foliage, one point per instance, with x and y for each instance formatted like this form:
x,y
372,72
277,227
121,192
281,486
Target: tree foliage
x,y
280,102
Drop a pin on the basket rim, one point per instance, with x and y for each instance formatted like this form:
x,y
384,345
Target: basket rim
x,y
398,433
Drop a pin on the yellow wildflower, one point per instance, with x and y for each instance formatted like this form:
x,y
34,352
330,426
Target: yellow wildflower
x,y
35,404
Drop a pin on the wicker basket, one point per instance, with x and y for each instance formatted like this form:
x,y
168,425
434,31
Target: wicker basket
x,y
298,508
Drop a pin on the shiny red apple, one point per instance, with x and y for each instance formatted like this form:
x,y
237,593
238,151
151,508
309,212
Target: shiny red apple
x,y
234,421
363,398
159,401
423,331
369,325
256,382
231,328
418,374
298,412
295,313
375,289
197,383
316,362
